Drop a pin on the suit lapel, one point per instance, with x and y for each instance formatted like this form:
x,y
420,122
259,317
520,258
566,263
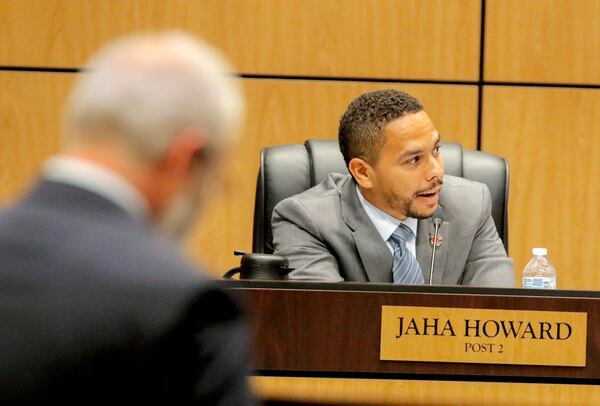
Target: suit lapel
x,y
375,256
424,250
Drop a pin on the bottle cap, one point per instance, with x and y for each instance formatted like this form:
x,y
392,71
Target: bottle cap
x,y
540,251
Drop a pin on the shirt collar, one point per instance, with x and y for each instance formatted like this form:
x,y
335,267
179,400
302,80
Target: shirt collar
x,y
97,179
383,222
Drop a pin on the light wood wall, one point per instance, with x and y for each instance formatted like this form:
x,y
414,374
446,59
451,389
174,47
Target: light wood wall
x,y
433,39
417,392
32,102
418,39
548,42
549,134
551,137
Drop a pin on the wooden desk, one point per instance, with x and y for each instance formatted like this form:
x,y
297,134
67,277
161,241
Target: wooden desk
x,y
312,340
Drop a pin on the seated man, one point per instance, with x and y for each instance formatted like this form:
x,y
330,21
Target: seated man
x,y
375,224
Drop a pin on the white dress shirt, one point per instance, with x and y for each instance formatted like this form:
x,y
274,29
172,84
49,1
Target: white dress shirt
x,y
386,224
96,179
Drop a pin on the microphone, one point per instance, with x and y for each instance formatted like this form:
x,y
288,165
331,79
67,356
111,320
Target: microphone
x,y
436,239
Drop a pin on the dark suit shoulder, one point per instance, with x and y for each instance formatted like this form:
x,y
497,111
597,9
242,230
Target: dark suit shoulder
x,y
95,301
110,265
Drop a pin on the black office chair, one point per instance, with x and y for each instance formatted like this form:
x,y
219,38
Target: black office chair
x,y
286,170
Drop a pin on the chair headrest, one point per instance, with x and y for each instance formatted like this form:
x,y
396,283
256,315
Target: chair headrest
x,y
286,170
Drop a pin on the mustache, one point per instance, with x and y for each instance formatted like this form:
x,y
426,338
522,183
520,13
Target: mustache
x,y
433,185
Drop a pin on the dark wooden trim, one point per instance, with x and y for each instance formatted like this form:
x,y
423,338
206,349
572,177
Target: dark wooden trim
x,y
317,329
387,287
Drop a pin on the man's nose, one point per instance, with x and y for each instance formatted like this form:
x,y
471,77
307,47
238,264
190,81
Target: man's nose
x,y
436,168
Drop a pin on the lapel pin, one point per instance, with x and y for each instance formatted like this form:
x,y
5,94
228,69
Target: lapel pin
x,y
437,240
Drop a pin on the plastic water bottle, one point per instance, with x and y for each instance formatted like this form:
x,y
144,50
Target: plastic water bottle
x,y
539,272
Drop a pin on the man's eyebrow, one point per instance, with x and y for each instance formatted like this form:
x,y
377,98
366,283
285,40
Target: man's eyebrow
x,y
413,152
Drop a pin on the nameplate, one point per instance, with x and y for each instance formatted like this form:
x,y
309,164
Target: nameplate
x,y
485,336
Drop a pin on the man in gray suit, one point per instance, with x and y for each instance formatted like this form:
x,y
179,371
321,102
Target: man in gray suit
x,y
375,224
96,305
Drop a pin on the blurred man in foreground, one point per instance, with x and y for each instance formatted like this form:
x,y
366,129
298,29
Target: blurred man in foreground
x,y
96,304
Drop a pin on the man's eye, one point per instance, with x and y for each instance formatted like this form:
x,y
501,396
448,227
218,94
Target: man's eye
x,y
436,150
415,160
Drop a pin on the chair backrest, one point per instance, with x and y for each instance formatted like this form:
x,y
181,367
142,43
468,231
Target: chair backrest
x,y
286,170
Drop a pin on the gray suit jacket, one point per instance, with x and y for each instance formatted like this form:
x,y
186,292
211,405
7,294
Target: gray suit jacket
x,y
327,236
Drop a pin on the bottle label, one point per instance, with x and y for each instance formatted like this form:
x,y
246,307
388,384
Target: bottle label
x,y
539,282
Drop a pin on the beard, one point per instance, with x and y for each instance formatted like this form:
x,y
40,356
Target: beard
x,y
409,205
421,214
178,219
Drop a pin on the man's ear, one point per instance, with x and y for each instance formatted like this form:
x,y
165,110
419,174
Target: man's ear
x,y
183,151
362,172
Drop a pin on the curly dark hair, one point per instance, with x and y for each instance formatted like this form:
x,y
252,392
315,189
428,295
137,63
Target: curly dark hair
x,y
361,132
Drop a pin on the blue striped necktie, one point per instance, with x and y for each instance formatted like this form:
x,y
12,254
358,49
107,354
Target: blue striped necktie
x,y
405,268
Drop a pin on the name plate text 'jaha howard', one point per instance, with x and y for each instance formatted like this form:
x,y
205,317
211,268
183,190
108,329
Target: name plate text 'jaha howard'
x,y
443,334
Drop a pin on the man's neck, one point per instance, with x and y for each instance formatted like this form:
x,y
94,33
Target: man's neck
x,y
115,160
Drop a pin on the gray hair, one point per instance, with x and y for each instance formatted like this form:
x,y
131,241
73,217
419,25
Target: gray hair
x,y
146,88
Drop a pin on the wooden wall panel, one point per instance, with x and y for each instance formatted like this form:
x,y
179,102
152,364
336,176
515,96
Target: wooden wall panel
x,y
278,112
418,392
552,41
550,137
423,39
30,107
291,112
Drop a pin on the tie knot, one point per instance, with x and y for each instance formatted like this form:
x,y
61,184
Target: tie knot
x,y
402,234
